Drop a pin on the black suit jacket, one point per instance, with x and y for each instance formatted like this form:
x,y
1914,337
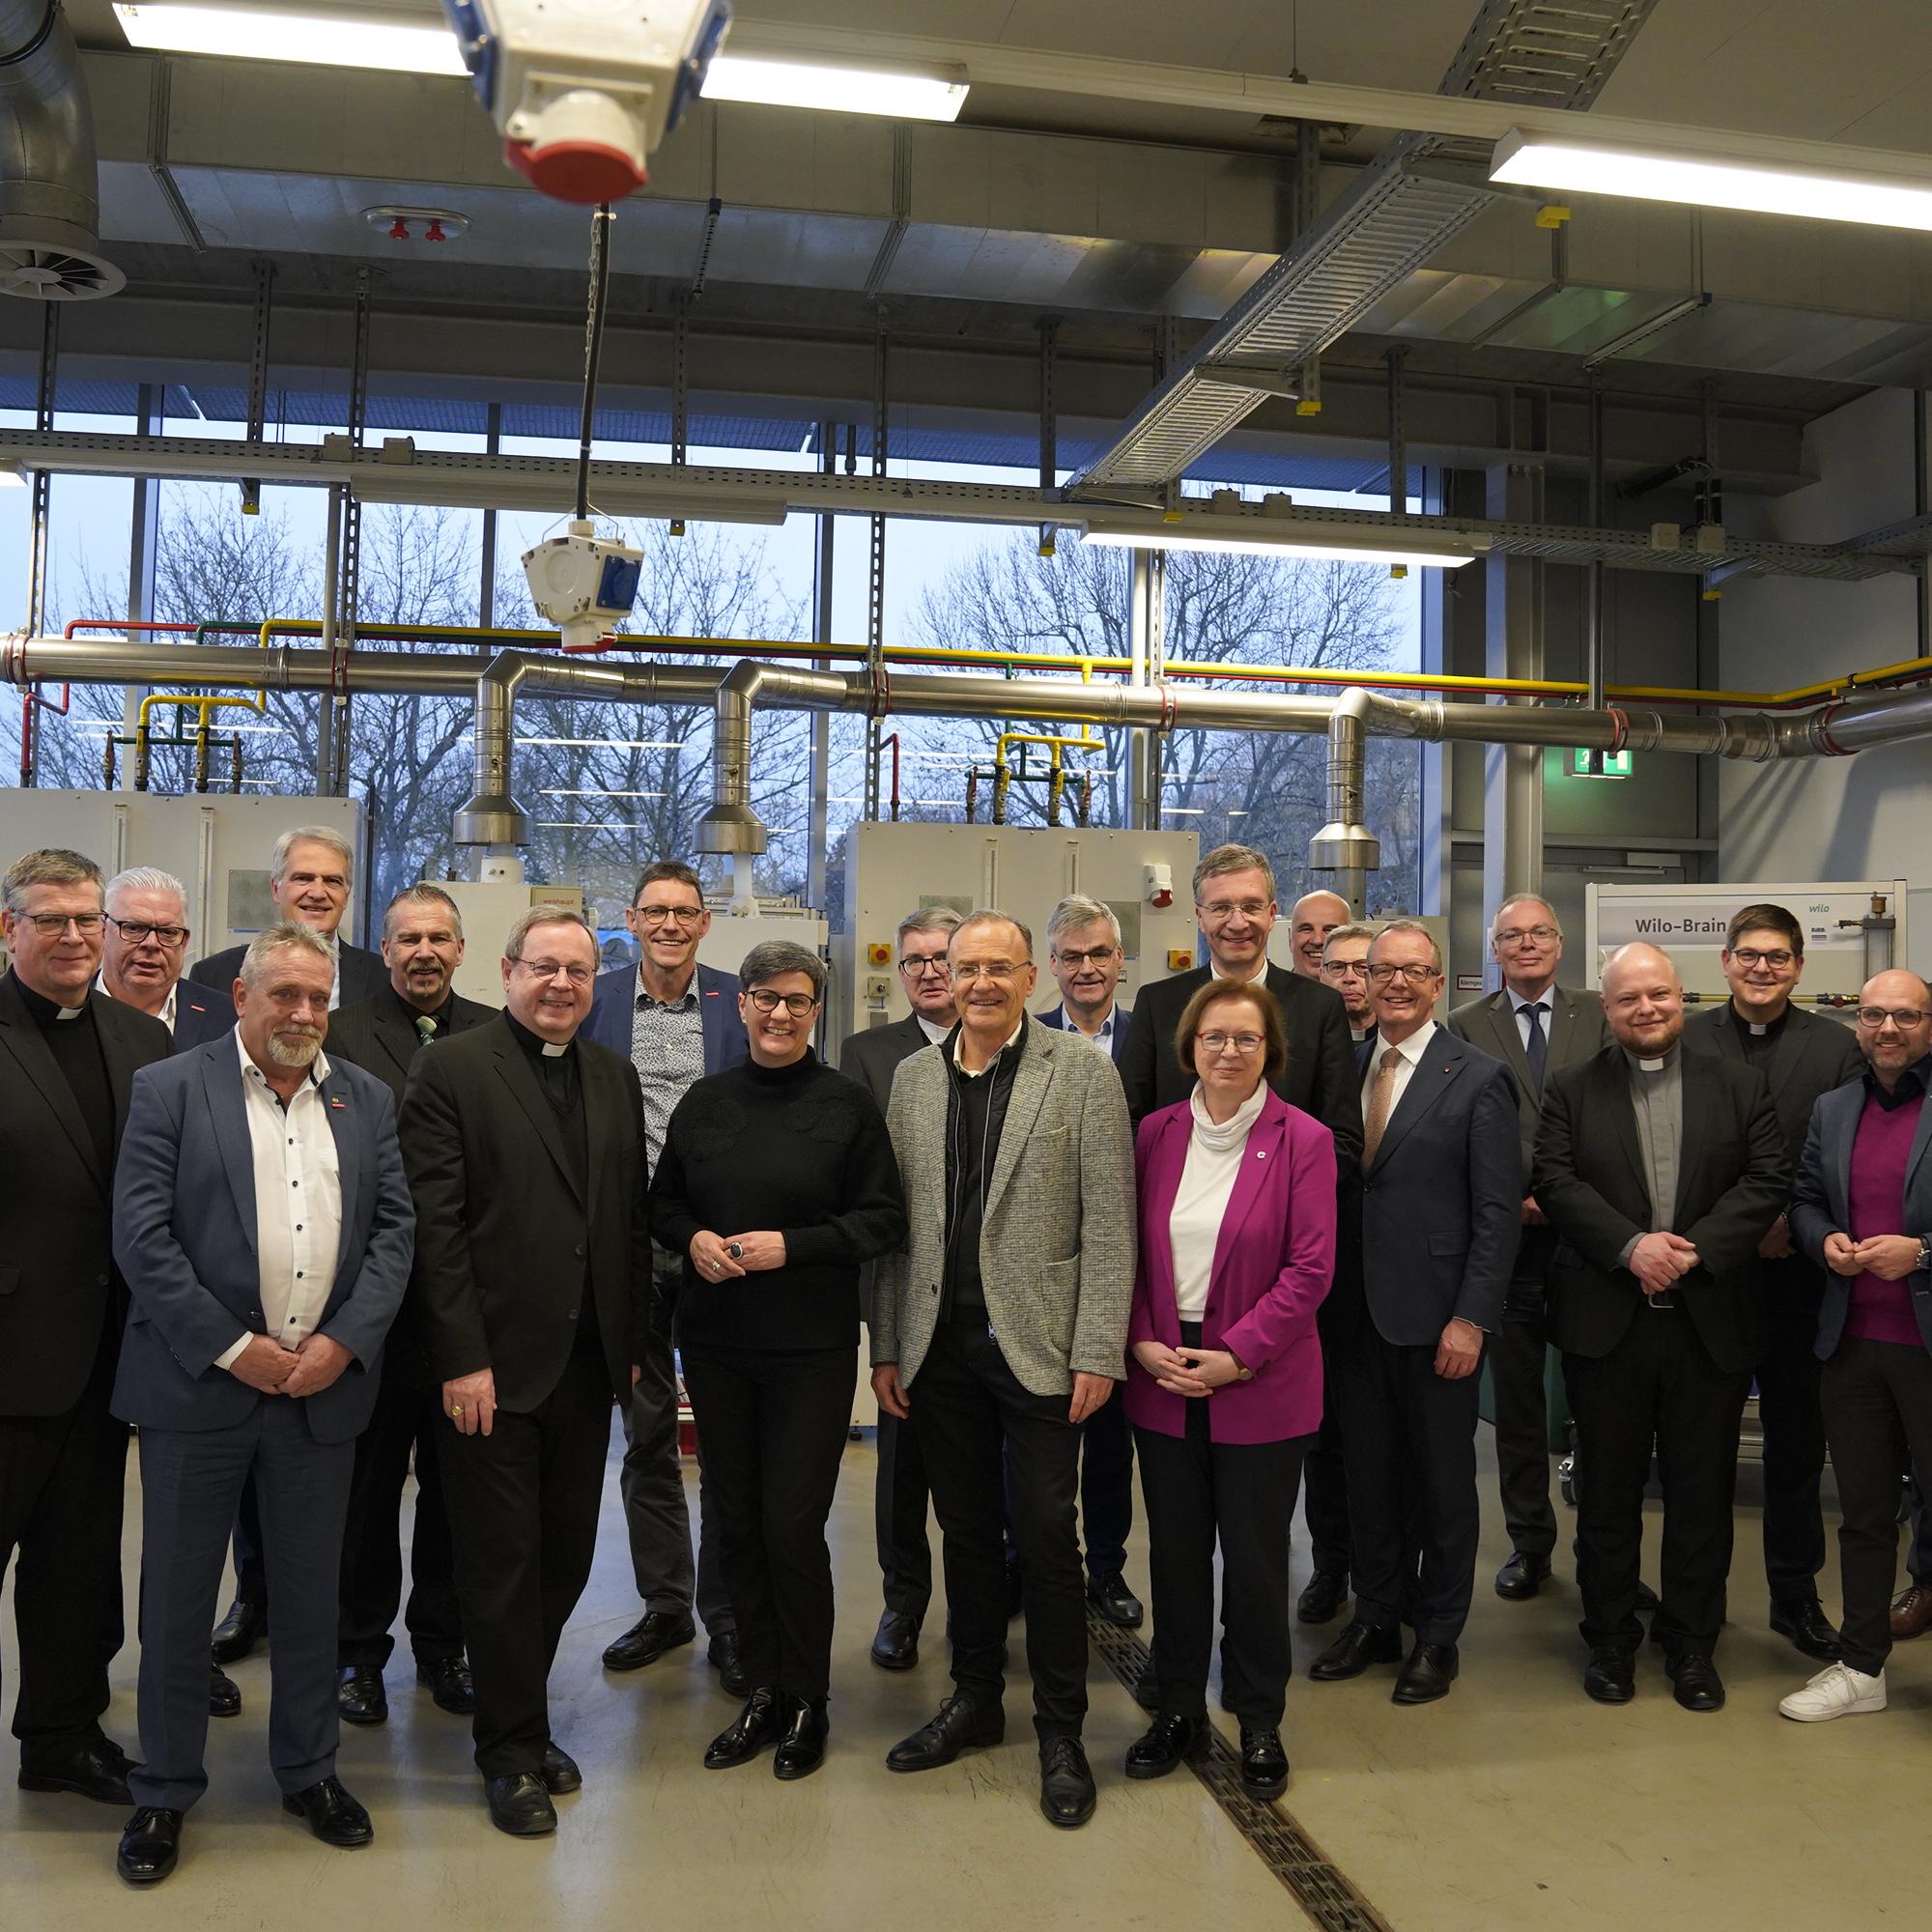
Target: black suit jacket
x,y
360,973
1577,1031
377,1036
1321,1077
202,1013
504,1242
1589,1179
59,1288
1810,1056
872,1057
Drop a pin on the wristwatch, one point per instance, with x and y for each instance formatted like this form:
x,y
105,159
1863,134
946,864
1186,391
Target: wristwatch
x,y
1243,1373
1923,1265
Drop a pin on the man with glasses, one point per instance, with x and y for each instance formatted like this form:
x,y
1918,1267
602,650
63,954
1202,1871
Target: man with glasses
x,y
675,1021
1004,1325
1862,1208
901,1496
67,1057
1533,1026
1344,967
524,1142
145,946
1441,1183
1803,1056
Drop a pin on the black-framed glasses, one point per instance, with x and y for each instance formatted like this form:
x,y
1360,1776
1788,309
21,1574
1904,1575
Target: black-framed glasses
x,y
1875,1017
797,1004
54,924
1345,969
657,915
1777,959
932,964
1416,973
135,931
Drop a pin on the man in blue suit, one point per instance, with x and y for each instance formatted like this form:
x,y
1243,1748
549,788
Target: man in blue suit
x,y
265,1229
675,1021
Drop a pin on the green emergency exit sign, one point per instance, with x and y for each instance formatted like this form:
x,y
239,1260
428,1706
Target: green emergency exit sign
x,y
1600,764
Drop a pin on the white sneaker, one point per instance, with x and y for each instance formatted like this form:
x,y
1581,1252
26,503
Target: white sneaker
x,y
1836,1692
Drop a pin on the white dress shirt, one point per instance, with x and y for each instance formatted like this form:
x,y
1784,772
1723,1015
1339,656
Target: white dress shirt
x,y
166,1015
1526,1019
297,1203
1411,1051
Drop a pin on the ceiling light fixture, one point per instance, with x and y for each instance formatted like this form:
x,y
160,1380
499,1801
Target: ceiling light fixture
x,y
1737,180
1342,548
905,92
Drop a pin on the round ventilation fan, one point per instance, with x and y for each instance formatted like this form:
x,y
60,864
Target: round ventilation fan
x,y
43,274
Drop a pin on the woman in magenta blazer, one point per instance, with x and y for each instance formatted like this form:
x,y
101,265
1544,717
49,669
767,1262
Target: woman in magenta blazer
x,y
1224,1372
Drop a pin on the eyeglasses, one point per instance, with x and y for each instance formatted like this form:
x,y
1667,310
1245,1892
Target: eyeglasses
x,y
549,969
54,924
1901,1017
1416,973
1345,969
1097,955
1245,1044
657,915
934,962
987,968
1516,935
1223,910
797,1004
1748,956
134,931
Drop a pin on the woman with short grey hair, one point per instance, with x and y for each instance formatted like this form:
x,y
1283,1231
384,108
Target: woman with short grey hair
x,y
776,1184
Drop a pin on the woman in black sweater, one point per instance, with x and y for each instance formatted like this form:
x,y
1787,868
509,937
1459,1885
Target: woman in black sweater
x,y
776,1183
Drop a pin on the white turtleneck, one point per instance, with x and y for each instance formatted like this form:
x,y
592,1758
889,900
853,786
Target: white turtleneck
x,y
1214,1156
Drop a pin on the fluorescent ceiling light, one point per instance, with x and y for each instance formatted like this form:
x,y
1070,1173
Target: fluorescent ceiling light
x,y
1577,165
1330,549
316,40
906,93
10,476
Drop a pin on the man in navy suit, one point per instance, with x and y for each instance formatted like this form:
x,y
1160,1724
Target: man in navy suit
x,y
1085,956
143,948
1440,1193
675,1021
266,1231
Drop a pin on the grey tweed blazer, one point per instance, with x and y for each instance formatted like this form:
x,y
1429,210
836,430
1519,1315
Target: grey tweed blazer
x,y
1057,1245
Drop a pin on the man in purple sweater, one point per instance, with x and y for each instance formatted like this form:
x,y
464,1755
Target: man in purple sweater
x,y
1863,1207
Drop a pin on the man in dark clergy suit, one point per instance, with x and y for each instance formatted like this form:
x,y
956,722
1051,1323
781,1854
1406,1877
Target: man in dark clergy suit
x,y
1660,1172
1803,1056
263,1223
900,1495
525,1145
422,947
68,1060
1440,1192
1532,1025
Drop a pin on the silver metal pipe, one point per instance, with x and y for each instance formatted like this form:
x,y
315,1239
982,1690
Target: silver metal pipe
x,y
50,188
730,826
1345,847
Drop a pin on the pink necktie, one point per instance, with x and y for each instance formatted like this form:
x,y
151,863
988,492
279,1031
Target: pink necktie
x,y
1380,1097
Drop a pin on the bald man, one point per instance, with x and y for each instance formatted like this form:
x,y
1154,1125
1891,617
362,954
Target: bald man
x,y
1315,916
1659,1173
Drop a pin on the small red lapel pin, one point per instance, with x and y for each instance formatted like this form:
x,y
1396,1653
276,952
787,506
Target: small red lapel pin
x,y
336,1100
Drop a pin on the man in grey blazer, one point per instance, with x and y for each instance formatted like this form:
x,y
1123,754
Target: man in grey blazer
x,y
1004,1323
1534,1027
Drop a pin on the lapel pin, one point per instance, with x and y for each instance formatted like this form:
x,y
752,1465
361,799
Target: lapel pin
x,y
1260,1154
337,1102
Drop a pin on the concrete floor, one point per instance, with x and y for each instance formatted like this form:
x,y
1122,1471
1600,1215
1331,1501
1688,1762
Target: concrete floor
x,y
1514,1802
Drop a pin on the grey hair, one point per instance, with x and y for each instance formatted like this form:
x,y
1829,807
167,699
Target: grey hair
x,y
1232,859
147,879
423,892
927,918
547,915
778,956
1356,929
1523,899
1074,911
51,865
991,916
292,938
319,834
1412,925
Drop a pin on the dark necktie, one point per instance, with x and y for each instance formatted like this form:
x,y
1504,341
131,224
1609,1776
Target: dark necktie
x,y
425,1030
1538,1049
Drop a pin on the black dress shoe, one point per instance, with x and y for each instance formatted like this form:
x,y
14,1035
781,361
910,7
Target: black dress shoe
x,y
1263,1764
1610,1675
646,1641
98,1771
1015,1588
723,1655
1521,1577
1319,1603
962,1723
558,1770
1109,1594
150,1844
332,1815
1146,1691
239,1632
896,1642
1166,1742
1067,1795
224,1695
360,1695
1352,1653
755,1726
450,1684
519,1805
1694,1682
1427,1674
802,1742
1808,1627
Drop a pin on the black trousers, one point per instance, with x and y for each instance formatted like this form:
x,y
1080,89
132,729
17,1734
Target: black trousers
x,y
900,1500
1878,1416
1106,1489
408,1422
523,1518
1410,1440
1657,1391
774,1425
1793,1430
966,1406
1325,1476
61,1481
1518,1354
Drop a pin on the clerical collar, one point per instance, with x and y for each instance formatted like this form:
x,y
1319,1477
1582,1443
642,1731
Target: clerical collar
x,y
534,1043
1656,1065
1767,1030
44,1009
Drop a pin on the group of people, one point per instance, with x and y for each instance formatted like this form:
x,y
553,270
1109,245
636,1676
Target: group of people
x,y
305,1218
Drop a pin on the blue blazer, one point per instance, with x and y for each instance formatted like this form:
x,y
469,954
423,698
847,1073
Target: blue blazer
x,y
185,1236
615,1001
1821,1204
201,1014
1056,1017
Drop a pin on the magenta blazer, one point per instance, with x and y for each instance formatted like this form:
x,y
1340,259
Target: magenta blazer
x,y
1272,1265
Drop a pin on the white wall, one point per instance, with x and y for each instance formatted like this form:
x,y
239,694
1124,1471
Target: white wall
x,y
1864,817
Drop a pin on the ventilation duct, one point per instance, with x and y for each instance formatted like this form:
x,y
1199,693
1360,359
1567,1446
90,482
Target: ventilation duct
x,y
49,195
